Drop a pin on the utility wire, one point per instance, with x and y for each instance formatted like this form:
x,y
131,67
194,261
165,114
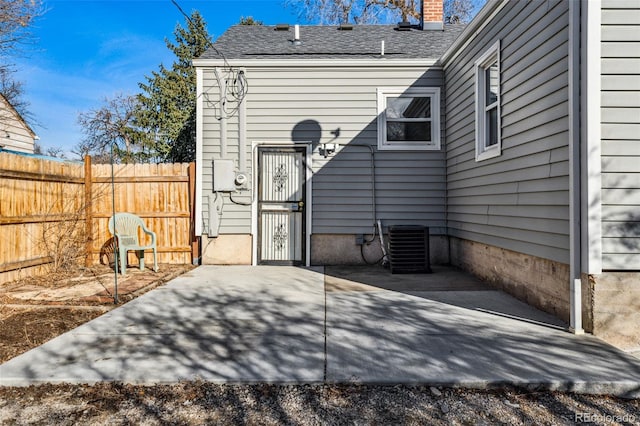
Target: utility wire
x,y
175,3
236,91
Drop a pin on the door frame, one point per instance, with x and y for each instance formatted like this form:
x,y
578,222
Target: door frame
x,y
255,217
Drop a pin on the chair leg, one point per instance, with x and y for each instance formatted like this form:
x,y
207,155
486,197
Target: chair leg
x,y
141,259
123,262
155,260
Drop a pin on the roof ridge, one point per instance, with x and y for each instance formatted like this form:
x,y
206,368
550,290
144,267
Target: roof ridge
x,y
243,41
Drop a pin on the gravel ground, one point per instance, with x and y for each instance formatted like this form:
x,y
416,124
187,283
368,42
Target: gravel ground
x,y
192,403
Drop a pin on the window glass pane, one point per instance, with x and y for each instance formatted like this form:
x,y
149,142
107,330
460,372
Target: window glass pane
x,y
491,81
406,107
412,132
492,127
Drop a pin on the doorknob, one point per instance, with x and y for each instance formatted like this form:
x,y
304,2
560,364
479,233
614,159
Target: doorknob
x,y
300,204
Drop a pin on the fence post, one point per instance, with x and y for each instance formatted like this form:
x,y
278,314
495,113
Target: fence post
x,y
195,242
88,211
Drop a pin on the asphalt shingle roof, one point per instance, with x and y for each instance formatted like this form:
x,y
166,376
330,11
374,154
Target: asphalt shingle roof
x,y
328,42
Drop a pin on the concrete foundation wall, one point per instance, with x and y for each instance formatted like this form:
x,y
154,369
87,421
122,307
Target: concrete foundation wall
x,y
539,282
326,249
610,301
341,249
616,307
227,249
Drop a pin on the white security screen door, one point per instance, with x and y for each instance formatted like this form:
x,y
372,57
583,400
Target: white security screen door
x,y
281,206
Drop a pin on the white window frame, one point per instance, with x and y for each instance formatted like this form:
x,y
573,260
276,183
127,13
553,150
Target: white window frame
x,y
483,150
394,92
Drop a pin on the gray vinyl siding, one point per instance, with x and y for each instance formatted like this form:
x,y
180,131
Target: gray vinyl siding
x,y
410,185
620,109
520,200
15,133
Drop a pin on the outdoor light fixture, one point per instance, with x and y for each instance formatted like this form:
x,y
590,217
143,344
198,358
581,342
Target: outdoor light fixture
x,y
328,149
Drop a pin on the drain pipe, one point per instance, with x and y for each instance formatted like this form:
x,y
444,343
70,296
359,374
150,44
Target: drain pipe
x,y
575,199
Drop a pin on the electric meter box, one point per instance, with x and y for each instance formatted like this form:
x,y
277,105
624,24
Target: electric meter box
x,y
224,176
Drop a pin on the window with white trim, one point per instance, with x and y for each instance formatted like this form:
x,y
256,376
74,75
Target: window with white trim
x,y
409,119
488,138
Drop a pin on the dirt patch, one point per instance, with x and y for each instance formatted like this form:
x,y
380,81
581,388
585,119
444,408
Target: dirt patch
x,y
26,329
34,310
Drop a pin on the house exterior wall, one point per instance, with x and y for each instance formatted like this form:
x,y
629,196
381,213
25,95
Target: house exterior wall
x,y
518,201
620,117
505,219
333,105
14,133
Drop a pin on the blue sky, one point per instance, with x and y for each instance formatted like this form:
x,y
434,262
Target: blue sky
x,y
87,50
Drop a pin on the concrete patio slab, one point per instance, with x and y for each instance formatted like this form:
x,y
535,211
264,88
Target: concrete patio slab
x,y
342,324
412,338
222,324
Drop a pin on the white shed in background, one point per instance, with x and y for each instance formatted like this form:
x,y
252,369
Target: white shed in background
x,y
15,133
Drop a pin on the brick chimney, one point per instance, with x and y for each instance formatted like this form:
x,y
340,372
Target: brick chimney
x,y
432,15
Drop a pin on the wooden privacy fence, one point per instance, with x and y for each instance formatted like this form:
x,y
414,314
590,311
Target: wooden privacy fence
x,y
51,211
35,196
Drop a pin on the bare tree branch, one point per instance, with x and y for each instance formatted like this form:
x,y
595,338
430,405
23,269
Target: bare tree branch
x,y
458,11
333,12
113,123
13,91
15,18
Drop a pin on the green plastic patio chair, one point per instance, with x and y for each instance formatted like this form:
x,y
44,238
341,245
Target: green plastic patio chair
x,y
126,233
